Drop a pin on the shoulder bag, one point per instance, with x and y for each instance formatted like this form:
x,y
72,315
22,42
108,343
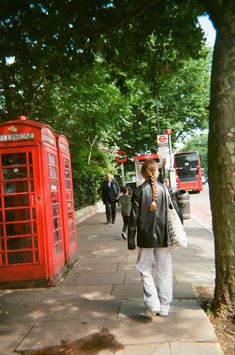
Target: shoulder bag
x,y
176,232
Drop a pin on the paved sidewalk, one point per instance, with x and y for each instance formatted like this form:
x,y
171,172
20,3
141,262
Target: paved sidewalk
x,y
101,298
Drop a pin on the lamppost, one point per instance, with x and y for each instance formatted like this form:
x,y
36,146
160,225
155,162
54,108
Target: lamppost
x,y
171,169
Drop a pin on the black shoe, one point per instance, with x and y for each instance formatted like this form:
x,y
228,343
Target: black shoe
x,y
107,222
113,222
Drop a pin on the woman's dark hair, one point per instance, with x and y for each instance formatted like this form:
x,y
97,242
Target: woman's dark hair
x,y
150,171
124,189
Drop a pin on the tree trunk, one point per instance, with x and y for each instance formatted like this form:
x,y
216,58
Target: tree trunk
x,y
221,158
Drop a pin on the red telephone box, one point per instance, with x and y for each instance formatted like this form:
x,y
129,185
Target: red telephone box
x,y
67,197
32,241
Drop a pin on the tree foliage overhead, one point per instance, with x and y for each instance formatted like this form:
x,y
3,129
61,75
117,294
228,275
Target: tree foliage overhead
x,y
58,37
73,68
198,143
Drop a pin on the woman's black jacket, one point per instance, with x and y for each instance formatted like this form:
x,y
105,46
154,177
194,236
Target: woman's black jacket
x,y
151,227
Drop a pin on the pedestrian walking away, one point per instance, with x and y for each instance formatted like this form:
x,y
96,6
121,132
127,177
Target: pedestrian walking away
x,y
148,225
125,204
110,193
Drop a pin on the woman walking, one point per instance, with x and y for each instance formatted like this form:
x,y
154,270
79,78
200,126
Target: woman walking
x,y
148,219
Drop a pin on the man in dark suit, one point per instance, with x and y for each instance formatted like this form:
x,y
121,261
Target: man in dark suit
x,y
110,193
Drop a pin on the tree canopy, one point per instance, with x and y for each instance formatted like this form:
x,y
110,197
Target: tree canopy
x,y
76,72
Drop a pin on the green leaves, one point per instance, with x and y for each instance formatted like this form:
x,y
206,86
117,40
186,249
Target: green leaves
x,y
94,71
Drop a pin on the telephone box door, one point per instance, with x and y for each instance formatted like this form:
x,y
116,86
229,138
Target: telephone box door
x,y
68,205
67,197
53,213
20,224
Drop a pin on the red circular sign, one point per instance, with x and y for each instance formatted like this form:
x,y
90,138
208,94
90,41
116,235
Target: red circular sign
x,y
168,131
121,156
162,139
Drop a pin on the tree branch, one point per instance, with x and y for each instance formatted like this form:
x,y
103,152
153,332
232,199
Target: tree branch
x,y
213,8
132,14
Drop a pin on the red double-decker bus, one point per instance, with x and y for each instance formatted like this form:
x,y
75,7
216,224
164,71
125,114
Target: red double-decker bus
x,y
188,171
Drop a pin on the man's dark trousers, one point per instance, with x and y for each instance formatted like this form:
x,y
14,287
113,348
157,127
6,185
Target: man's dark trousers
x,y
110,208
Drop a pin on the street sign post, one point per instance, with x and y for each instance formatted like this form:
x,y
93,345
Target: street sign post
x,y
168,132
121,157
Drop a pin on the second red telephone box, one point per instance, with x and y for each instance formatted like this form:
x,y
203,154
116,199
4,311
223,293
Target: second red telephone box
x,y
67,197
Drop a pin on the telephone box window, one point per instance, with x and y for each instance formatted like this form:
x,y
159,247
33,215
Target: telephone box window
x,y
18,228
19,243
20,257
18,235
35,242
20,214
52,172
14,173
68,184
31,186
14,159
55,201
71,232
51,159
20,200
58,249
53,185
15,187
55,210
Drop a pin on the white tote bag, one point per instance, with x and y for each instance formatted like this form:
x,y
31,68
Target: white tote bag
x,y
176,231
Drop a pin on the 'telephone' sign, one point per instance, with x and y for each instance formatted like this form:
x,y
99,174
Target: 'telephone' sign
x,y
16,137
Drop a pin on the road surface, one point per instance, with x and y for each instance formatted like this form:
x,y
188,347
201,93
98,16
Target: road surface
x,y
200,208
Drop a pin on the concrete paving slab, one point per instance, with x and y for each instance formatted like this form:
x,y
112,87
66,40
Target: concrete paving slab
x,y
25,295
133,277
88,292
87,309
90,278
127,267
147,349
183,290
98,268
52,333
180,290
127,291
84,259
70,279
186,317
11,334
27,311
202,276
195,349
138,329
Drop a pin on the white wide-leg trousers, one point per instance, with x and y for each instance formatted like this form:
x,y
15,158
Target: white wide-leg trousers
x,y
155,267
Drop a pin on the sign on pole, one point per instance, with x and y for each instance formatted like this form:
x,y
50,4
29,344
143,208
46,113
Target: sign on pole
x,y
163,151
168,131
162,139
121,156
